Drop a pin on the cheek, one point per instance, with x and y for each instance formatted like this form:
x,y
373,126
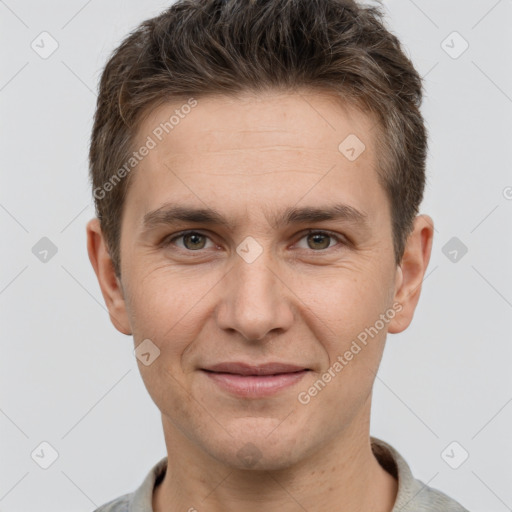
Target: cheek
x,y
165,308
346,319
342,304
165,301
172,396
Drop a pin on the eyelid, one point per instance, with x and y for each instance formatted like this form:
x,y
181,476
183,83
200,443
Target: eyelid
x,y
171,238
342,240
338,237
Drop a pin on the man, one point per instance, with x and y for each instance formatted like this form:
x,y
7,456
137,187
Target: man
x,y
257,169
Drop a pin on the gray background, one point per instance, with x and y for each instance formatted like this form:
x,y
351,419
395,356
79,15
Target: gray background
x,y
70,379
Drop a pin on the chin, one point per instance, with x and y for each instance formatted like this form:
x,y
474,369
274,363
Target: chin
x,y
252,457
257,450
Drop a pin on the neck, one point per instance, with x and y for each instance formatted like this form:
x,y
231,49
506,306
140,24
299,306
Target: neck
x,y
343,475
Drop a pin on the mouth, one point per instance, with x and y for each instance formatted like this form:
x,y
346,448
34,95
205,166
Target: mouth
x,y
250,381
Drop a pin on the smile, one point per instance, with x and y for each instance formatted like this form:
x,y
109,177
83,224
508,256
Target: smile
x,y
255,382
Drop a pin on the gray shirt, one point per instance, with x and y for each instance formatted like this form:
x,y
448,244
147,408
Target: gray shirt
x,y
413,495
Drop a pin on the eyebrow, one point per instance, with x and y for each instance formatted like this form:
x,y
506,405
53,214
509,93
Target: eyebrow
x,y
170,214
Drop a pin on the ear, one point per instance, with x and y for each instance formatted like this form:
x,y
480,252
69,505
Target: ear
x,y
411,272
110,285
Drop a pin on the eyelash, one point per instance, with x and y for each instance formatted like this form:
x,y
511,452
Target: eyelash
x,y
168,241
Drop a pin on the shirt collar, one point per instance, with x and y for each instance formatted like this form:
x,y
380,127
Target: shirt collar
x,y
388,457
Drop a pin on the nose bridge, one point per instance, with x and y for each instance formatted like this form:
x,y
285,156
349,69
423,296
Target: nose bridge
x,y
254,301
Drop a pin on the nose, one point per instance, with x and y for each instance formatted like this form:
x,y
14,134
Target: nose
x,y
256,300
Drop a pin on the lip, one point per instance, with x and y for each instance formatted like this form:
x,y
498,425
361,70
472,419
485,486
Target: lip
x,y
239,368
250,381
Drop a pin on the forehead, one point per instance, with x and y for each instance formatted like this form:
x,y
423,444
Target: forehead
x,y
314,120
278,145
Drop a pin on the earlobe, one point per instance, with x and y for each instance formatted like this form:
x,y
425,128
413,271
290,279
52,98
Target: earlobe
x,y
411,272
110,285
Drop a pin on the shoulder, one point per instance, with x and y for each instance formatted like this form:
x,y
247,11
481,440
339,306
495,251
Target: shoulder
x,y
430,499
139,500
121,504
413,494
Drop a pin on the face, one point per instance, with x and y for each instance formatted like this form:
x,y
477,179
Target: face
x,y
289,262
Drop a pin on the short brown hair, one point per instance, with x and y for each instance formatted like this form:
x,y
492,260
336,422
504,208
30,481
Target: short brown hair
x,y
210,47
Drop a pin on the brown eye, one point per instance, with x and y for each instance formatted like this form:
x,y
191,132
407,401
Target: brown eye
x,y
190,241
194,241
319,241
